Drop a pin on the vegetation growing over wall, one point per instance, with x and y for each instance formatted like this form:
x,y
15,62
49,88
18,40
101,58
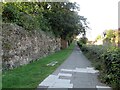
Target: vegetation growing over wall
x,y
60,18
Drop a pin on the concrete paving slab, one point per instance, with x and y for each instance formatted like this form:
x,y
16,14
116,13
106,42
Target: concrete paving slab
x,y
81,70
49,81
62,85
103,88
86,70
64,81
51,78
46,84
65,74
67,70
91,68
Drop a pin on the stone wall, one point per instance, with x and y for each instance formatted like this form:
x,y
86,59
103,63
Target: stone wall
x,y
21,47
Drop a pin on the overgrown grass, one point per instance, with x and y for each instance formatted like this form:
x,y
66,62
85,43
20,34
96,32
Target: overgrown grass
x,y
29,76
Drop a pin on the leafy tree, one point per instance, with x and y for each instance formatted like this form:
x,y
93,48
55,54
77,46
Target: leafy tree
x,y
83,40
61,18
110,35
99,37
64,19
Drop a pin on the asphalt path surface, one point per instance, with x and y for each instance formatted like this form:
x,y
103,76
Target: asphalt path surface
x,y
75,72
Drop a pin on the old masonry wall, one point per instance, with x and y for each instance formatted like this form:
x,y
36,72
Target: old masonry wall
x,y
21,47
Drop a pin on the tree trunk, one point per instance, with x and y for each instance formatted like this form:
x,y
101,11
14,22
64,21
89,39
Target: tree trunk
x,y
64,43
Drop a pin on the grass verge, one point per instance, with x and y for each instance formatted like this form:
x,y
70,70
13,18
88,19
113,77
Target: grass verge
x,y
30,75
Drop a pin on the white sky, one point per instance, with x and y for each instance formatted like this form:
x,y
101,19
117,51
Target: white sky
x,y
102,15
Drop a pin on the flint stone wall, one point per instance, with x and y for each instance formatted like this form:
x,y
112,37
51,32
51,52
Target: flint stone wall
x,y
21,47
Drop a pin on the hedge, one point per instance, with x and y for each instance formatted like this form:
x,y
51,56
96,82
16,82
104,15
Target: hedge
x,y
109,62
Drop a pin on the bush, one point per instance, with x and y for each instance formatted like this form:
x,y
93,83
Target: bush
x,y
107,61
112,67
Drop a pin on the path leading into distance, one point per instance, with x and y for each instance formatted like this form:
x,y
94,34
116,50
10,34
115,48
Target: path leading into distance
x,y
75,72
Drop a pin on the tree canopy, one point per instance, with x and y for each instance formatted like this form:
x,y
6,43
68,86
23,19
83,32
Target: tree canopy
x,y
99,37
60,18
110,35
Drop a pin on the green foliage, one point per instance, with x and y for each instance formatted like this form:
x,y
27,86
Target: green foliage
x,y
65,22
110,35
98,37
82,41
112,61
107,60
26,14
61,18
10,12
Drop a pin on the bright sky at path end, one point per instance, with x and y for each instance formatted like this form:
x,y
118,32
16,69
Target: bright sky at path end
x,y
101,14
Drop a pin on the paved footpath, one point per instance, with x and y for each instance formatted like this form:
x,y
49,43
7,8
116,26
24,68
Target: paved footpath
x,y
75,72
